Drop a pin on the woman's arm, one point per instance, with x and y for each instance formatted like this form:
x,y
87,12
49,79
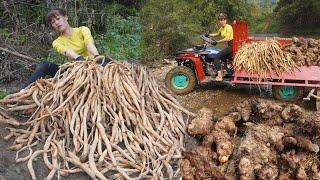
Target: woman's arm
x,y
223,40
88,41
214,34
92,49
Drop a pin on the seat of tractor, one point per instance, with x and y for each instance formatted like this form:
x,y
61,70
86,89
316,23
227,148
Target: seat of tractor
x,y
187,51
195,49
204,52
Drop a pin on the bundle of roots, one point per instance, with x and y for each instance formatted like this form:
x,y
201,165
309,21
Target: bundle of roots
x,y
259,139
305,52
109,122
263,57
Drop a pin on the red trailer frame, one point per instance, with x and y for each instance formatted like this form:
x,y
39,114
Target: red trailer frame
x,y
303,76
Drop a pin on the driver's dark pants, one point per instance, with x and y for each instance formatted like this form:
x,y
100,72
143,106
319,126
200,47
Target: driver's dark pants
x,y
221,56
43,69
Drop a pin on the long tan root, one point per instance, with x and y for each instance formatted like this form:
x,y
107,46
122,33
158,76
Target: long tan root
x,y
99,120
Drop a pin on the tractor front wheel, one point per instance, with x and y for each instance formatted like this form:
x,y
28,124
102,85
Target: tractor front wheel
x,y
180,80
287,93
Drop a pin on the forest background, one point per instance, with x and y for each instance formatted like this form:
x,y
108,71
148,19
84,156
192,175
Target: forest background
x,y
146,30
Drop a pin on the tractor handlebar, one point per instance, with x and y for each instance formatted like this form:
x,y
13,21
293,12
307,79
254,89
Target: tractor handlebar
x,y
209,40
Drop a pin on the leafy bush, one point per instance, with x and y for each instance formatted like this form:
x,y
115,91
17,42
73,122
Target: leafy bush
x,y
299,13
177,24
168,27
122,39
3,94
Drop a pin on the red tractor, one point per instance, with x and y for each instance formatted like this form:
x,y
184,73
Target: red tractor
x,y
195,68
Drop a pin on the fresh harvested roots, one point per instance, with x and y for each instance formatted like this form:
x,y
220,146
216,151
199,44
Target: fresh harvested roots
x,y
305,52
263,57
259,139
4,118
109,122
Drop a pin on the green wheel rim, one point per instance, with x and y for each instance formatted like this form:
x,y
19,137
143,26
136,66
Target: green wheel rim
x,y
287,92
180,81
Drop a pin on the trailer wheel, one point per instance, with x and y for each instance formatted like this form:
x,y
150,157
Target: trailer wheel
x,y
287,93
181,80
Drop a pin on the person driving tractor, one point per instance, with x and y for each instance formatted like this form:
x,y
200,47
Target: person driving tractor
x,y
226,32
74,43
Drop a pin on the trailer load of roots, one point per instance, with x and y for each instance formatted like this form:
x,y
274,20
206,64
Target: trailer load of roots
x,y
258,139
263,57
109,122
305,52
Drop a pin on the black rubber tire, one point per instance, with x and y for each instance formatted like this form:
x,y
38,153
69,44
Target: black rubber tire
x,y
181,70
298,93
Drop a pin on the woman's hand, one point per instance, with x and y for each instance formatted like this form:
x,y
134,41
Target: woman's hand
x,y
102,60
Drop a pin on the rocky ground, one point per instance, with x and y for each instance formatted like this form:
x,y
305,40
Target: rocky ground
x,y
218,97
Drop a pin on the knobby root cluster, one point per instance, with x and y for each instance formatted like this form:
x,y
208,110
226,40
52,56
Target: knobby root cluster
x,y
258,139
305,52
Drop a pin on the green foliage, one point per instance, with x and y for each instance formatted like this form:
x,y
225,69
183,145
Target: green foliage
x,y
264,22
141,29
299,13
265,4
5,32
176,24
169,26
115,26
122,40
237,9
3,93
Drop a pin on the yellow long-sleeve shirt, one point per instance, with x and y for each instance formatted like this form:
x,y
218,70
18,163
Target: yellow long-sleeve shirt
x,y
78,42
226,32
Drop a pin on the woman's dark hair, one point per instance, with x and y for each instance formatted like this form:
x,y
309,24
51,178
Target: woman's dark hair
x,y
53,13
222,16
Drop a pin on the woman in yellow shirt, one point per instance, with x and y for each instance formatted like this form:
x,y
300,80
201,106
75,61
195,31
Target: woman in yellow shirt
x,y
226,33
75,43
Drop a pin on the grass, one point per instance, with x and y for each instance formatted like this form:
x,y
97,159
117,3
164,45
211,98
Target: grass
x,y
3,93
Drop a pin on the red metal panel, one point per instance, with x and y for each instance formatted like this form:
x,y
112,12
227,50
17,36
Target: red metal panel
x,y
199,68
240,34
276,83
187,55
302,76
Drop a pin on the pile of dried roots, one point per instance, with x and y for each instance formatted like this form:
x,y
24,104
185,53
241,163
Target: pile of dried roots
x,y
109,122
259,139
263,57
305,52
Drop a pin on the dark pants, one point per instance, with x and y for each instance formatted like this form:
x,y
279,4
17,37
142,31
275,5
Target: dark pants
x,y
44,68
221,56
